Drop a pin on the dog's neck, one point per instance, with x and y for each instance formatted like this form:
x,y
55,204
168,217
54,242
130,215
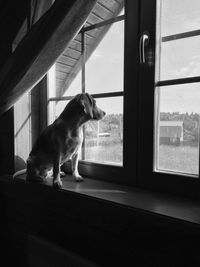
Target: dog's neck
x,y
73,118
76,122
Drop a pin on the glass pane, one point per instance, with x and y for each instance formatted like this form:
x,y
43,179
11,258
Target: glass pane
x,y
180,58
177,58
122,12
68,69
104,68
59,107
55,109
179,16
75,87
177,128
52,81
104,139
51,112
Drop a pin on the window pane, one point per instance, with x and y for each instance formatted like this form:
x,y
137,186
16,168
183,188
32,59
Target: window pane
x,y
51,112
180,58
179,16
55,109
177,128
177,58
52,81
68,70
122,12
75,86
104,68
59,107
104,139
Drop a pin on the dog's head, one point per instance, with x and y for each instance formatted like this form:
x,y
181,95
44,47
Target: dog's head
x,y
89,107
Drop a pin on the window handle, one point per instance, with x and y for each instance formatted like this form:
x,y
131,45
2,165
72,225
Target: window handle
x,y
144,41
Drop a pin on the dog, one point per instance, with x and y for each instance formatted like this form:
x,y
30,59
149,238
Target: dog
x,y
61,141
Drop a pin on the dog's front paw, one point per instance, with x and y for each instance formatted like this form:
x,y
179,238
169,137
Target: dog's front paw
x,y
78,178
57,184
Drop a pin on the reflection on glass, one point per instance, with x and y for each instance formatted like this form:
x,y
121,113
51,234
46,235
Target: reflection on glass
x,y
177,128
104,138
104,68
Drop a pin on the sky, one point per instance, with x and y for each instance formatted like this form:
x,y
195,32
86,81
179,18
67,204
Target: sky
x,y
180,58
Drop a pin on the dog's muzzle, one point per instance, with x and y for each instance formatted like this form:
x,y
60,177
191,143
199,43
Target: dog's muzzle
x,y
98,114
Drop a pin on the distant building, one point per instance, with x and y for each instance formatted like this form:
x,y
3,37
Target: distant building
x,y
171,132
104,134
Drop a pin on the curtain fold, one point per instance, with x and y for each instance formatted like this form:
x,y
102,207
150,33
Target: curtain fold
x,y
38,8
40,48
35,10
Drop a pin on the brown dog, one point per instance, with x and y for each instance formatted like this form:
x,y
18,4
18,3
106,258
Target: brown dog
x,y
62,140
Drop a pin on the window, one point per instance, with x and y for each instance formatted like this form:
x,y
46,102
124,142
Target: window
x,y
141,64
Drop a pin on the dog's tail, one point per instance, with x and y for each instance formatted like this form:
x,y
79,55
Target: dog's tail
x,y
20,172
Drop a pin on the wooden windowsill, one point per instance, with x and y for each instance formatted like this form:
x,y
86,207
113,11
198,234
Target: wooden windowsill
x,y
166,206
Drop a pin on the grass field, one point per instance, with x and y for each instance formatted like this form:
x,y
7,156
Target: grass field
x,y
104,152
178,158
183,158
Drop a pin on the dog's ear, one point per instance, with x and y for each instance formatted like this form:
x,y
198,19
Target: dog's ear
x,y
85,101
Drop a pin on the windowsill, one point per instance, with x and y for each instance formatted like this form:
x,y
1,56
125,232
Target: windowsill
x,y
167,207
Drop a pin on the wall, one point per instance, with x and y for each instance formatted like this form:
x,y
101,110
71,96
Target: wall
x,y
7,143
12,16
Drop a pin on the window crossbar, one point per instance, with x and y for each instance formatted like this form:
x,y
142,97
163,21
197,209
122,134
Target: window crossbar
x,y
103,23
180,36
100,95
188,80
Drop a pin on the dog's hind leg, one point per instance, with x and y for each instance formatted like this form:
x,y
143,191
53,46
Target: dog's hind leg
x,y
33,171
57,183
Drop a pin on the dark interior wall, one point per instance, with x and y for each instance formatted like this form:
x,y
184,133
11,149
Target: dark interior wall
x,y
7,142
12,15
